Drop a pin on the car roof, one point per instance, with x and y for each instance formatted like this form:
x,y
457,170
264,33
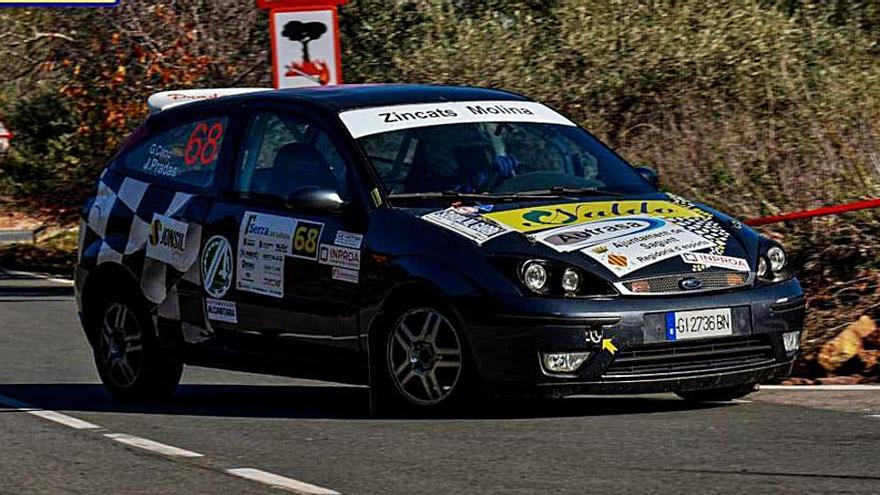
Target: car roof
x,y
342,97
350,96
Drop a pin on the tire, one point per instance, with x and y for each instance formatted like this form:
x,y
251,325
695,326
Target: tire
x,y
718,394
132,362
422,363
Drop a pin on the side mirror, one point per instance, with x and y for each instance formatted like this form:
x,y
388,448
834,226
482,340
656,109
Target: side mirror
x,y
316,199
650,175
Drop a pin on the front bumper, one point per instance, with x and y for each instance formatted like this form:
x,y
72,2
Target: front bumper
x,y
508,336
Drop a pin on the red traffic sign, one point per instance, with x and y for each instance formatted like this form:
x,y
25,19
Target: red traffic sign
x,y
277,4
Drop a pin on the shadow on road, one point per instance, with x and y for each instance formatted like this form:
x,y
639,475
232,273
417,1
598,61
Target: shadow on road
x,y
326,402
34,294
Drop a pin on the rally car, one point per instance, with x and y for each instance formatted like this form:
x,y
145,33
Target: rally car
x,y
432,242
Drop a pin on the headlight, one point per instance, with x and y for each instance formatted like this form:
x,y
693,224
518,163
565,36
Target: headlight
x,y
570,280
777,258
534,275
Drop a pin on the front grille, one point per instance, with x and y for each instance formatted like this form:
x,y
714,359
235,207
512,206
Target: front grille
x,y
672,284
691,357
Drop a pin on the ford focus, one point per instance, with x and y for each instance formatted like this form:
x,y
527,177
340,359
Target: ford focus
x,y
434,243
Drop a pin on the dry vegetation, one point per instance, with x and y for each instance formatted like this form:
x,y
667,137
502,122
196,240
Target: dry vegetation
x,y
752,106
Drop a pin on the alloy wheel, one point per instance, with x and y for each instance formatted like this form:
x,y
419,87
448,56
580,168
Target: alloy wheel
x,y
120,347
424,356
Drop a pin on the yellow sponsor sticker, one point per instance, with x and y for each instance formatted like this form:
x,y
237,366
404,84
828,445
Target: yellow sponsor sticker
x,y
547,216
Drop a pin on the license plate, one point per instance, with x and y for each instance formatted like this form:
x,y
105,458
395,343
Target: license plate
x,y
698,324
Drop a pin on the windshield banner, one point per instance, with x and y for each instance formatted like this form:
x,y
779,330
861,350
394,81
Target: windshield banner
x,y
367,121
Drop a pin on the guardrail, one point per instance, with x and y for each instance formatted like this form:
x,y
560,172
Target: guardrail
x,y
816,212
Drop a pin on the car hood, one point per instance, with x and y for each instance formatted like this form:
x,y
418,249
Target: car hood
x,y
615,238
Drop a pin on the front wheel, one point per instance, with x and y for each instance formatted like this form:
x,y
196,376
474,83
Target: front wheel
x,y
718,394
130,360
425,364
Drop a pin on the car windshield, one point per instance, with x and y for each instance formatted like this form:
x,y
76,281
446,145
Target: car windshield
x,y
498,158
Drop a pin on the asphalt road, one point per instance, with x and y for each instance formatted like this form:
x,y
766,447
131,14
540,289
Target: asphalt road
x,y
60,433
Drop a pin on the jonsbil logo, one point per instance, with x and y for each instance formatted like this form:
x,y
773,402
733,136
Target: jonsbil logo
x,y
159,235
57,3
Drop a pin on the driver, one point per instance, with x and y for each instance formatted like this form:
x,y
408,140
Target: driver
x,y
463,158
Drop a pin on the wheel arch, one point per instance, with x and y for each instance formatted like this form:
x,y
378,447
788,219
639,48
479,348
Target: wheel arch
x,y
104,277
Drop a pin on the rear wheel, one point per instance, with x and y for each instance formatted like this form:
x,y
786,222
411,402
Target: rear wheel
x,y
425,366
130,360
718,394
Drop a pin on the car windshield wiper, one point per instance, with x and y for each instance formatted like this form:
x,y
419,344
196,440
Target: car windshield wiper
x,y
562,191
434,195
439,194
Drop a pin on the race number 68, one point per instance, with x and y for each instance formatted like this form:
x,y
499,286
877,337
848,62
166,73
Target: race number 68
x,y
203,145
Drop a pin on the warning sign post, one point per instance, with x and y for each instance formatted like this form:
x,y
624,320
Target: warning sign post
x,y
305,42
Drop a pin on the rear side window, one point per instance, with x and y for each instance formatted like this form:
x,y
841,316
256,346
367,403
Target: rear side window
x,y
185,154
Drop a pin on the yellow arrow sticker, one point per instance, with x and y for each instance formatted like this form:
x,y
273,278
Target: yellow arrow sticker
x,y
609,346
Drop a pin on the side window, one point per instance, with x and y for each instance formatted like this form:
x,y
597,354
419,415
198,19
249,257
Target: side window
x,y
283,153
186,154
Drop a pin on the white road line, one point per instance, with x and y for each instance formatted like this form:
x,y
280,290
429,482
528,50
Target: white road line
x,y
62,281
742,401
839,388
281,482
874,415
57,417
159,448
65,420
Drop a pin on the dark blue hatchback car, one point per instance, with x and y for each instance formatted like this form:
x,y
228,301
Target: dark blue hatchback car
x,y
432,242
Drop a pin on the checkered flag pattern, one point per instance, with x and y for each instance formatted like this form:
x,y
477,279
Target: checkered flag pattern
x,y
118,222
704,225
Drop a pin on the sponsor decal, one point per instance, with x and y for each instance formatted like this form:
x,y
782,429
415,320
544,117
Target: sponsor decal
x,y
618,260
366,121
348,239
305,239
629,253
263,242
345,275
566,239
475,227
216,266
377,198
167,240
716,260
218,310
339,256
544,217
485,208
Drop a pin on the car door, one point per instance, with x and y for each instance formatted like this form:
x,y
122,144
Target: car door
x,y
295,270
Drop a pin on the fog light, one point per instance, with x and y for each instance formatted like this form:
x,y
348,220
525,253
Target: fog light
x,y
570,280
564,362
791,341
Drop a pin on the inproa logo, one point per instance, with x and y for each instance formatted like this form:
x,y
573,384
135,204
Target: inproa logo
x,y
216,265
